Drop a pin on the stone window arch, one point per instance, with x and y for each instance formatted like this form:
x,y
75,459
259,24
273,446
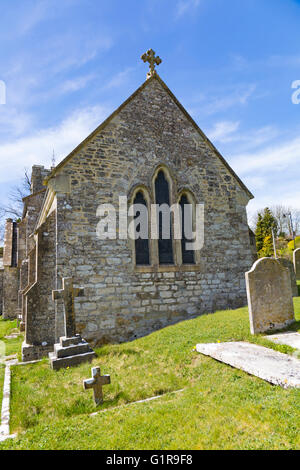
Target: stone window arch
x,y
186,203
141,245
163,197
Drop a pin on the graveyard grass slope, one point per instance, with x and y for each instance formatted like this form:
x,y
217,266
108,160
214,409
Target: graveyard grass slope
x,y
219,408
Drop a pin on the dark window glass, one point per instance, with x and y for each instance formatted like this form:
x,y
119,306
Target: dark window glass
x,y
188,256
165,246
142,254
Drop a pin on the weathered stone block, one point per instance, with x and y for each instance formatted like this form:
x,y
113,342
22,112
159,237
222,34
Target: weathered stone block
x,y
70,361
72,350
32,352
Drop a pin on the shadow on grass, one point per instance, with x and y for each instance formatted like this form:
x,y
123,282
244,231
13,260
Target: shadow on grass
x,y
122,352
291,328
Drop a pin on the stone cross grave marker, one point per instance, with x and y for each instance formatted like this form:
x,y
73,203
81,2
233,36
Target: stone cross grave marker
x,y
96,383
297,263
270,297
68,294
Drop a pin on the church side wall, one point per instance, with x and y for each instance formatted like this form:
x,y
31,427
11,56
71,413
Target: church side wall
x,y
10,291
40,308
123,302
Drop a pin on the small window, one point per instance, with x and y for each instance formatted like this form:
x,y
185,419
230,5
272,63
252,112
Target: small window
x,y
188,256
165,244
142,253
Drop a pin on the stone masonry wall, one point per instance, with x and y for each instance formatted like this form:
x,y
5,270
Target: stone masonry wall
x,y
40,309
123,302
10,274
33,207
10,292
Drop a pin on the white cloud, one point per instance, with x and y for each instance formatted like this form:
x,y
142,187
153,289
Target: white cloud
x,y
227,132
14,122
239,97
75,84
272,159
119,79
222,131
272,173
37,148
183,6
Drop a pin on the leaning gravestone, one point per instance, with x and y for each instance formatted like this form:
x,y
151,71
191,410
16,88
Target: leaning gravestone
x,y
270,297
288,264
297,263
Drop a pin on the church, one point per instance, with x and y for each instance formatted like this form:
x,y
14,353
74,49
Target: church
x,y
150,151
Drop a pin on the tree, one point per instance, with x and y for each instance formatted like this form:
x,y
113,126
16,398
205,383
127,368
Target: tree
x,y
259,233
269,222
266,223
14,207
281,212
267,250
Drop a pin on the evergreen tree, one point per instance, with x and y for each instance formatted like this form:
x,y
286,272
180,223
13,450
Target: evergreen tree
x,y
259,233
267,250
266,222
269,223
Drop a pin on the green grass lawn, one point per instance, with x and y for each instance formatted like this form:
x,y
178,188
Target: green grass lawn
x,y
220,407
12,346
7,347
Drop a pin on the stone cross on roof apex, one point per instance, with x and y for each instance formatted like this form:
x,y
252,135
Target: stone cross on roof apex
x,y
149,56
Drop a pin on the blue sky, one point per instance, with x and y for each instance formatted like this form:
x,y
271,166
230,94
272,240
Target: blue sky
x,y
68,64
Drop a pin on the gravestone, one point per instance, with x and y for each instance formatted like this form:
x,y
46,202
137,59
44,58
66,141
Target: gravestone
x,y
96,383
71,349
272,366
270,298
297,263
291,339
288,264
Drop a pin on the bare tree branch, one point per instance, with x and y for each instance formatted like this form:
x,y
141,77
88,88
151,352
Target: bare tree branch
x,y
14,208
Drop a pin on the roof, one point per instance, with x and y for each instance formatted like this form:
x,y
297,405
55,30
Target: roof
x,y
116,112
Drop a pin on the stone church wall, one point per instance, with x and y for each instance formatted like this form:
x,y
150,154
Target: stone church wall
x,y
40,309
10,273
122,301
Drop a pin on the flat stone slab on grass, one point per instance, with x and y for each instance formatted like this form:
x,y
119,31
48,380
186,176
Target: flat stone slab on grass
x,y
290,339
272,366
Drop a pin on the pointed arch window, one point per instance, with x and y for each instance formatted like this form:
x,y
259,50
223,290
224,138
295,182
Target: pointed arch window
x,y
188,256
142,252
165,240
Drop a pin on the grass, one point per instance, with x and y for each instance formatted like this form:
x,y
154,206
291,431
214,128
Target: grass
x,y
220,407
11,346
7,347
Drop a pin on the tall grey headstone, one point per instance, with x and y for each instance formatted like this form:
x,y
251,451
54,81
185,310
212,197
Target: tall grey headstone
x,y
288,264
297,263
270,298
